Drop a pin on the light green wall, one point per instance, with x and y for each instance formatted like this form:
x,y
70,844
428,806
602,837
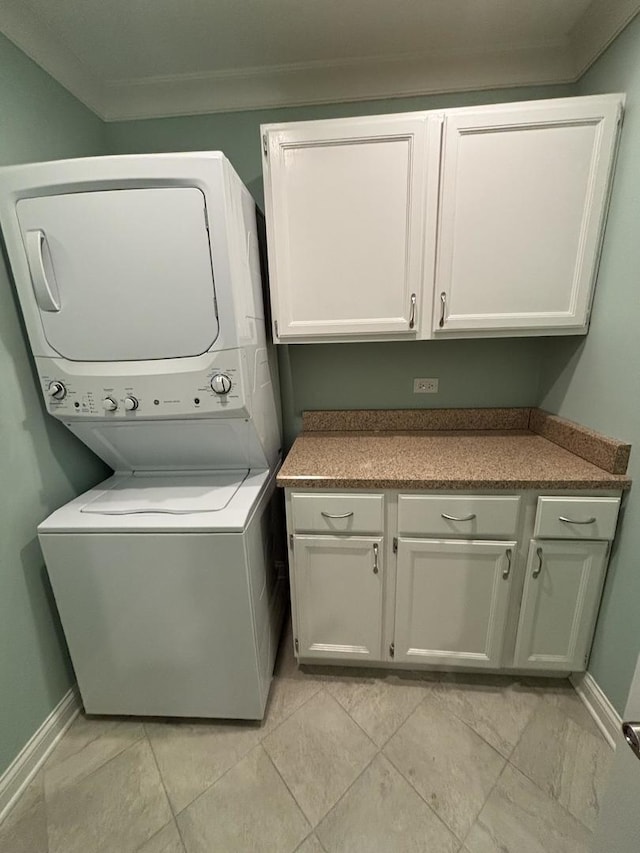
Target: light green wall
x,y
487,373
41,465
596,380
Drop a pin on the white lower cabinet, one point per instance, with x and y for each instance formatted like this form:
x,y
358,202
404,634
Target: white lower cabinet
x,y
476,599
452,601
559,604
338,589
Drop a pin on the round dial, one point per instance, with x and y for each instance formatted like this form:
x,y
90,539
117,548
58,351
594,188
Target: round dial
x,y
109,404
221,383
130,403
57,391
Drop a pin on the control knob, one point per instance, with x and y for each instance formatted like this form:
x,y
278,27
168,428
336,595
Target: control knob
x,y
56,391
221,383
109,404
130,403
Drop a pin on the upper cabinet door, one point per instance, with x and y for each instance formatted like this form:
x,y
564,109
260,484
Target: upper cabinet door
x,y
345,206
523,201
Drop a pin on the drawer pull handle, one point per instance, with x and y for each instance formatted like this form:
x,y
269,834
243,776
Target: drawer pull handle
x,y
591,520
507,571
537,570
375,558
469,517
342,515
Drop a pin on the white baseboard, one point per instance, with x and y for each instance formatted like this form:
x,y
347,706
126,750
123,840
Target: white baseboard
x,y
33,755
605,715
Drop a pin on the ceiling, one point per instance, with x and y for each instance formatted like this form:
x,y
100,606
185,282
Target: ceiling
x,y
143,58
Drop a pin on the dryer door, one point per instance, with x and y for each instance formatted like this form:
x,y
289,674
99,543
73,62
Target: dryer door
x,y
122,275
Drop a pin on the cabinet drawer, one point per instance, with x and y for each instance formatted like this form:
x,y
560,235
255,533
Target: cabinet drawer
x,y
468,516
576,518
336,513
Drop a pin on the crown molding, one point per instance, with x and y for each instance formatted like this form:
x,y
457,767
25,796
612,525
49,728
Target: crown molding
x,y
334,82
319,82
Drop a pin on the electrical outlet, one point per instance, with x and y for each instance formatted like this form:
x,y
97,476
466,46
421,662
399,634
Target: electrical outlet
x,y
425,386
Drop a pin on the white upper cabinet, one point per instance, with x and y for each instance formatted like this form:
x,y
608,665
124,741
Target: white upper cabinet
x,y
474,222
346,202
523,199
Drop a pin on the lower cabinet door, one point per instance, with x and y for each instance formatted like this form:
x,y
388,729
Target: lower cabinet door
x,y
451,601
560,604
338,591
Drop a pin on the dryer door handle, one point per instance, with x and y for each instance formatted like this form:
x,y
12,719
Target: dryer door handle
x,y
41,269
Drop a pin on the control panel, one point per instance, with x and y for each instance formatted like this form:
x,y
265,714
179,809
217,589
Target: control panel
x,y
216,390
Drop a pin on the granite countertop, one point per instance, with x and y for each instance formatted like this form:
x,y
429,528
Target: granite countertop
x,y
452,459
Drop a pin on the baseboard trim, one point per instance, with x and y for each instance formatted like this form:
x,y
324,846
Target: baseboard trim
x,y
33,755
598,705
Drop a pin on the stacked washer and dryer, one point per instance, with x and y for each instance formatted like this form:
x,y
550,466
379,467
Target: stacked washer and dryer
x,y
140,286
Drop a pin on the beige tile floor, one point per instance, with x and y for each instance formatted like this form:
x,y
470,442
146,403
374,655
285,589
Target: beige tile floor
x,y
345,762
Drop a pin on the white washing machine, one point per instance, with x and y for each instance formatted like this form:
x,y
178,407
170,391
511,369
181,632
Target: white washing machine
x,y
139,281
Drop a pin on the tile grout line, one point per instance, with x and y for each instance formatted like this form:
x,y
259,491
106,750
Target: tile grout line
x,y
164,788
375,755
400,771
342,708
346,791
380,747
242,757
551,797
306,838
464,723
313,826
295,710
486,800
428,805
103,764
293,796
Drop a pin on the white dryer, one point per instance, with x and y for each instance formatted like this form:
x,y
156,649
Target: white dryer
x,y
139,281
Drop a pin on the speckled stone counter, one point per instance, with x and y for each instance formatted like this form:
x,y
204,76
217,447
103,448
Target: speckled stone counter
x,y
442,459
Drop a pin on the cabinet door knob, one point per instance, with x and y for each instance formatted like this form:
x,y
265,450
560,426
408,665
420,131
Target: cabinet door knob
x,y
412,315
538,569
507,571
443,307
375,558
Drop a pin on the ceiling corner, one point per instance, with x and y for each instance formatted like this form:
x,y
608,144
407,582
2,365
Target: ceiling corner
x,y
23,28
601,23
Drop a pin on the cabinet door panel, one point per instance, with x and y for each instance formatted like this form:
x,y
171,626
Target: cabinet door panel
x,y
560,604
451,601
339,596
345,208
524,193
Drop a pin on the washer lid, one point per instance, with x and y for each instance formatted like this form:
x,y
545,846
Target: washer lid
x,y
175,494
122,275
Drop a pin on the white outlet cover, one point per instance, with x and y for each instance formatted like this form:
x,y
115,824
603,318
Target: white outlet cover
x,y
425,386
